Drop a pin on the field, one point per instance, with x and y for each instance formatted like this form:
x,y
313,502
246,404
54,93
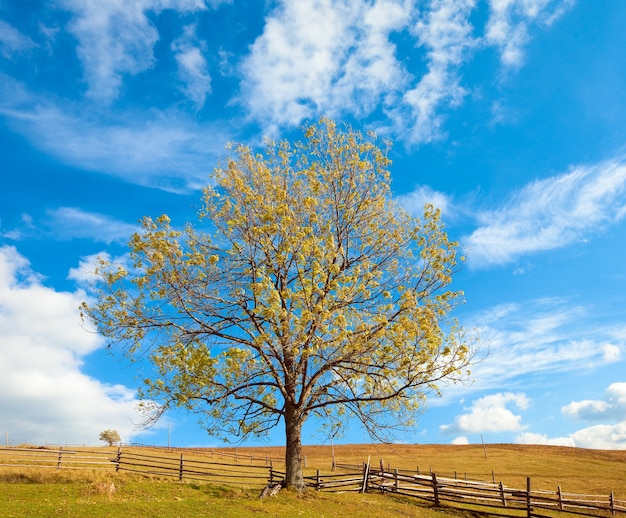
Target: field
x,y
75,493
136,498
576,470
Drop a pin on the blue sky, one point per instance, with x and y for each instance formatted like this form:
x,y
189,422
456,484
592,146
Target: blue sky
x,y
507,114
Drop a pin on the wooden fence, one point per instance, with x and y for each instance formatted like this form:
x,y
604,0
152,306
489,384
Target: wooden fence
x,y
58,458
209,466
193,468
181,466
492,496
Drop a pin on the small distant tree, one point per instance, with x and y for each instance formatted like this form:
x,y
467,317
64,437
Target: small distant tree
x,y
306,291
110,437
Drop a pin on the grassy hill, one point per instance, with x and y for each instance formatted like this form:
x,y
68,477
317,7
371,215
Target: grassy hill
x,y
48,492
576,470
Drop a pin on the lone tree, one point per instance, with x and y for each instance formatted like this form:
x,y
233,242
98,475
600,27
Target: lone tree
x,y
110,437
304,290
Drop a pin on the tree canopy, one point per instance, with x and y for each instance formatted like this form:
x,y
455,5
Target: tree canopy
x,y
303,290
110,437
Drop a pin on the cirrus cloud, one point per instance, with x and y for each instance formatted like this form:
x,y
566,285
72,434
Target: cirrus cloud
x,y
509,22
116,39
550,213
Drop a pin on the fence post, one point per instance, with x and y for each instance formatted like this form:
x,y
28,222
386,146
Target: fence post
x,y
435,488
180,473
560,493
118,459
271,472
529,508
317,480
366,474
612,503
418,470
502,495
395,480
60,457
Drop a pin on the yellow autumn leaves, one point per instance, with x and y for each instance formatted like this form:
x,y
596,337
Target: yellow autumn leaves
x,y
303,284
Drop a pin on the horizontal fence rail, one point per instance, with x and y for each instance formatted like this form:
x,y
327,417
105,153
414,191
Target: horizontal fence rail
x,y
493,495
55,458
184,466
231,468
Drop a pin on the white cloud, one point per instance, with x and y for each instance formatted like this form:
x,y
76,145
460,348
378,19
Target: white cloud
x,y
292,73
165,150
192,67
323,56
550,213
446,35
13,41
600,437
46,397
490,414
612,353
72,223
84,273
314,57
537,438
66,223
509,22
460,440
414,201
18,233
116,38
612,407
539,337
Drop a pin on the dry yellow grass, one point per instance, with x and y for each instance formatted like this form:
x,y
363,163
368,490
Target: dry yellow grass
x,y
576,470
102,492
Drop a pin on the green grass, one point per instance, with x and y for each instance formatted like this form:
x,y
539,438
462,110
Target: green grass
x,y
139,498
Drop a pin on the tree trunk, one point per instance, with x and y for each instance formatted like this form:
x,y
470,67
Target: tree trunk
x,y
293,453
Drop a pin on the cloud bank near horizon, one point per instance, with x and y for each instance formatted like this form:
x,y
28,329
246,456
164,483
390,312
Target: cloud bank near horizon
x,y
47,398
